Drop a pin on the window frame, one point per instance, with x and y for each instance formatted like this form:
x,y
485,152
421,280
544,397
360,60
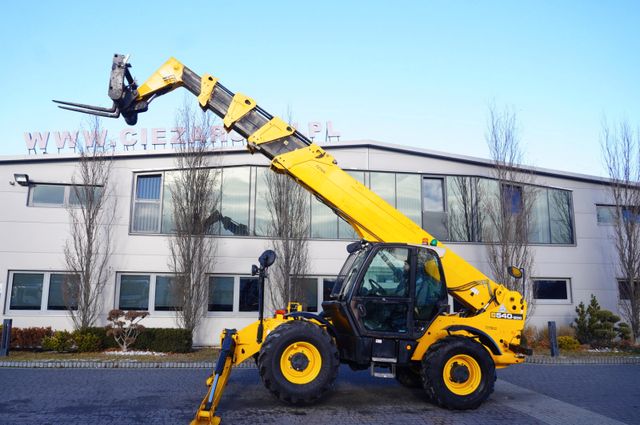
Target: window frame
x,y
545,301
151,309
621,281
625,210
135,201
66,201
44,297
235,310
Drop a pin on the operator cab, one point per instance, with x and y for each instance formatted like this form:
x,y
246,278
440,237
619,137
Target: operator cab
x,y
384,299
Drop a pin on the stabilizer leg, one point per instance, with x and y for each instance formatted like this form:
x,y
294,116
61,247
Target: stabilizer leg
x,y
217,382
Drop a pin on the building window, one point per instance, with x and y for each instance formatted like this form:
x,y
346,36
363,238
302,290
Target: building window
x,y
248,294
153,292
234,219
167,294
146,210
221,293
552,291
324,222
560,216
384,185
462,209
40,291
26,291
512,198
345,231
61,195
624,289
433,208
607,214
134,292
309,293
60,297
408,200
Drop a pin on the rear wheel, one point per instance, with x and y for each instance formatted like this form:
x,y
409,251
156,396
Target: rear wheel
x,y
298,362
458,373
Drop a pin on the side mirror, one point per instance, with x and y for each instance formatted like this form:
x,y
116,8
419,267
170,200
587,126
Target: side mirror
x,y
515,272
267,258
254,270
354,246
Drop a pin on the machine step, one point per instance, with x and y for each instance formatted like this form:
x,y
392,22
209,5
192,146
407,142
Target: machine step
x,y
382,367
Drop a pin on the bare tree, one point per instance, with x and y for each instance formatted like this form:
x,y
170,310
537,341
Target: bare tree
x,y
288,206
621,154
194,196
88,250
507,203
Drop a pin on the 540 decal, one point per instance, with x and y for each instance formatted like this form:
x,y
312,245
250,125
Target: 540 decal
x,y
508,316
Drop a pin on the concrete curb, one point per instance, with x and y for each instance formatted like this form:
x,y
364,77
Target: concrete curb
x,y
600,360
134,364
114,364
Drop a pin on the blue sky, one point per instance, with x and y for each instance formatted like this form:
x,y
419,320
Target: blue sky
x,y
417,73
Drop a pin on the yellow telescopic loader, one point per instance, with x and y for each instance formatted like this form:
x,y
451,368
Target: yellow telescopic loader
x,y
388,310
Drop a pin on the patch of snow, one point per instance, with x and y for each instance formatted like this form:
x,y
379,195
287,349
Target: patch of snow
x,y
603,350
135,353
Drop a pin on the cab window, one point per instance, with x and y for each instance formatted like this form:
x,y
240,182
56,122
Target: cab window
x,y
430,287
388,274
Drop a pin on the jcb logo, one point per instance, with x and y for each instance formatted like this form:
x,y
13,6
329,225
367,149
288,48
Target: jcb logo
x,y
508,316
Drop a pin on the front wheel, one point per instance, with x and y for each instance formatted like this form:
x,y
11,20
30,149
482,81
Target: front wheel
x,y
298,362
458,373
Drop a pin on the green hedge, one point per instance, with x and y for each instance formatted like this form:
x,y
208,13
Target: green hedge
x,y
106,341
164,340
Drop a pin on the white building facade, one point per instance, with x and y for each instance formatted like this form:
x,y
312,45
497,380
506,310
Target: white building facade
x,y
570,232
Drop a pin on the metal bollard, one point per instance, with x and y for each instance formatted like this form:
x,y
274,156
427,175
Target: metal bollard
x,y
553,339
6,337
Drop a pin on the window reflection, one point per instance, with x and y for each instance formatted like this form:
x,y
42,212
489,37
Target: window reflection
x,y
235,201
384,185
462,195
561,223
262,216
134,292
310,293
26,293
167,294
408,196
324,222
539,231
248,294
433,214
345,231
221,293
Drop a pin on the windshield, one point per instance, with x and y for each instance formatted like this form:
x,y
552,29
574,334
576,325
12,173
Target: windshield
x,y
348,273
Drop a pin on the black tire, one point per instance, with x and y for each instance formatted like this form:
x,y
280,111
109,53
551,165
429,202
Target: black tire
x,y
409,376
470,377
283,341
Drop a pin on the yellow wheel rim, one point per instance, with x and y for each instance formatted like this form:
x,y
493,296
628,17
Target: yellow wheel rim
x,y
300,363
462,374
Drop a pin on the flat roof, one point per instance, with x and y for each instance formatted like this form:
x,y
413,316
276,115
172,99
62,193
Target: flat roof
x,y
369,144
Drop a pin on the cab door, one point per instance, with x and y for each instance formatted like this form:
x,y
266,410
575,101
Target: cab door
x,y
382,302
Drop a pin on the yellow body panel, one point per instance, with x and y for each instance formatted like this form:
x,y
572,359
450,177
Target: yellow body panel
x,y
273,130
207,84
167,77
239,107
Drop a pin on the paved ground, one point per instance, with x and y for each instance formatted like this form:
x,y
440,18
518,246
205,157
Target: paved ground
x,y
527,394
